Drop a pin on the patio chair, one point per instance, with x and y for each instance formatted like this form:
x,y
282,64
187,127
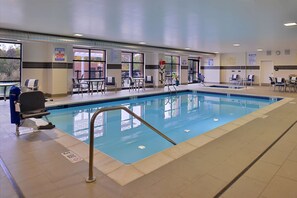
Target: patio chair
x,y
201,78
280,83
272,81
80,86
149,80
292,83
32,105
234,79
110,82
31,85
132,84
250,79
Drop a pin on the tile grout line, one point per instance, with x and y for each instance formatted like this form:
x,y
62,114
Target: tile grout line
x,y
223,190
11,179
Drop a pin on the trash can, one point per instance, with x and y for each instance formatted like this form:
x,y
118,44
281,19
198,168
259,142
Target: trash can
x,y
13,98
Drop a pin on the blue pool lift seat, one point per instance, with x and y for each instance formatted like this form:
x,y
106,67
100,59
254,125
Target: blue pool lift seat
x,y
32,105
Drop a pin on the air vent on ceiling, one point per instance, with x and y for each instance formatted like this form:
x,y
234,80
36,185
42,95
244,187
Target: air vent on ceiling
x,y
268,52
287,52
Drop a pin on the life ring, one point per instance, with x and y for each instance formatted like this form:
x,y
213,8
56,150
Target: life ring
x,y
162,64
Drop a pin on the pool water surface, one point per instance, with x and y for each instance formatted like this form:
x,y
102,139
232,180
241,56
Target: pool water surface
x,y
180,116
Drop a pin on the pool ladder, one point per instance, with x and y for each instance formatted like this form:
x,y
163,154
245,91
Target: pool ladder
x,y
169,82
91,177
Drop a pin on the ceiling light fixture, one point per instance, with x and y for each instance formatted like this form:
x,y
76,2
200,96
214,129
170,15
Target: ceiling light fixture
x,y
259,50
236,44
142,43
216,52
290,24
77,34
187,48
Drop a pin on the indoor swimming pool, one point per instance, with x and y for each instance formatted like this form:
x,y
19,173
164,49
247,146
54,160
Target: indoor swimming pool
x,y
179,116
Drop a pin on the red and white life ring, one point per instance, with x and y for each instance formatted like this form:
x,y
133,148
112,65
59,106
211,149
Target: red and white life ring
x,y
162,64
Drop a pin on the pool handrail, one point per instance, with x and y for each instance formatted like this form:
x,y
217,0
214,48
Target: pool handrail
x,y
91,177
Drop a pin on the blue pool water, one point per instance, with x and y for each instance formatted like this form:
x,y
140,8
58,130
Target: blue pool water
x,y
180,116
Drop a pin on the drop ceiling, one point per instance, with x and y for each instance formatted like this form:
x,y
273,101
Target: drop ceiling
x,y
202,25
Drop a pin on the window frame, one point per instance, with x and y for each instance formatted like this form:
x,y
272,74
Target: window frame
x,y
14,58
132,63
89,62
171,64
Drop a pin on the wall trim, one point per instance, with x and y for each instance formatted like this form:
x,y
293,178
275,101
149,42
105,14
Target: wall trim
x,y
285,67
114,66
151,66
47,65
256,67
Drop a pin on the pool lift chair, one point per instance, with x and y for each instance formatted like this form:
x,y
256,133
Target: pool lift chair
x,y
32,105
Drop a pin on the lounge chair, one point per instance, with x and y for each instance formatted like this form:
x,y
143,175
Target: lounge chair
x,y
32,105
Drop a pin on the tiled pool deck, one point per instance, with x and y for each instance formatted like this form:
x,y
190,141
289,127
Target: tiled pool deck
x,y
199,167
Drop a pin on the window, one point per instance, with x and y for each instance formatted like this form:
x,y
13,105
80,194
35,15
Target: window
x,y
89,63
10,62
172,65
132,66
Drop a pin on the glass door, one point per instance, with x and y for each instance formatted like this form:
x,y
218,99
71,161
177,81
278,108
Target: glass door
x,y
193,70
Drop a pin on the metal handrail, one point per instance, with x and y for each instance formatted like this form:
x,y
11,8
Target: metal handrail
x,y
91,178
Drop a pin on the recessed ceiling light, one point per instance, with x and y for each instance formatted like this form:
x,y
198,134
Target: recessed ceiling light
x,y
142,43
259,50
187,48
77,35
236,44
290,24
